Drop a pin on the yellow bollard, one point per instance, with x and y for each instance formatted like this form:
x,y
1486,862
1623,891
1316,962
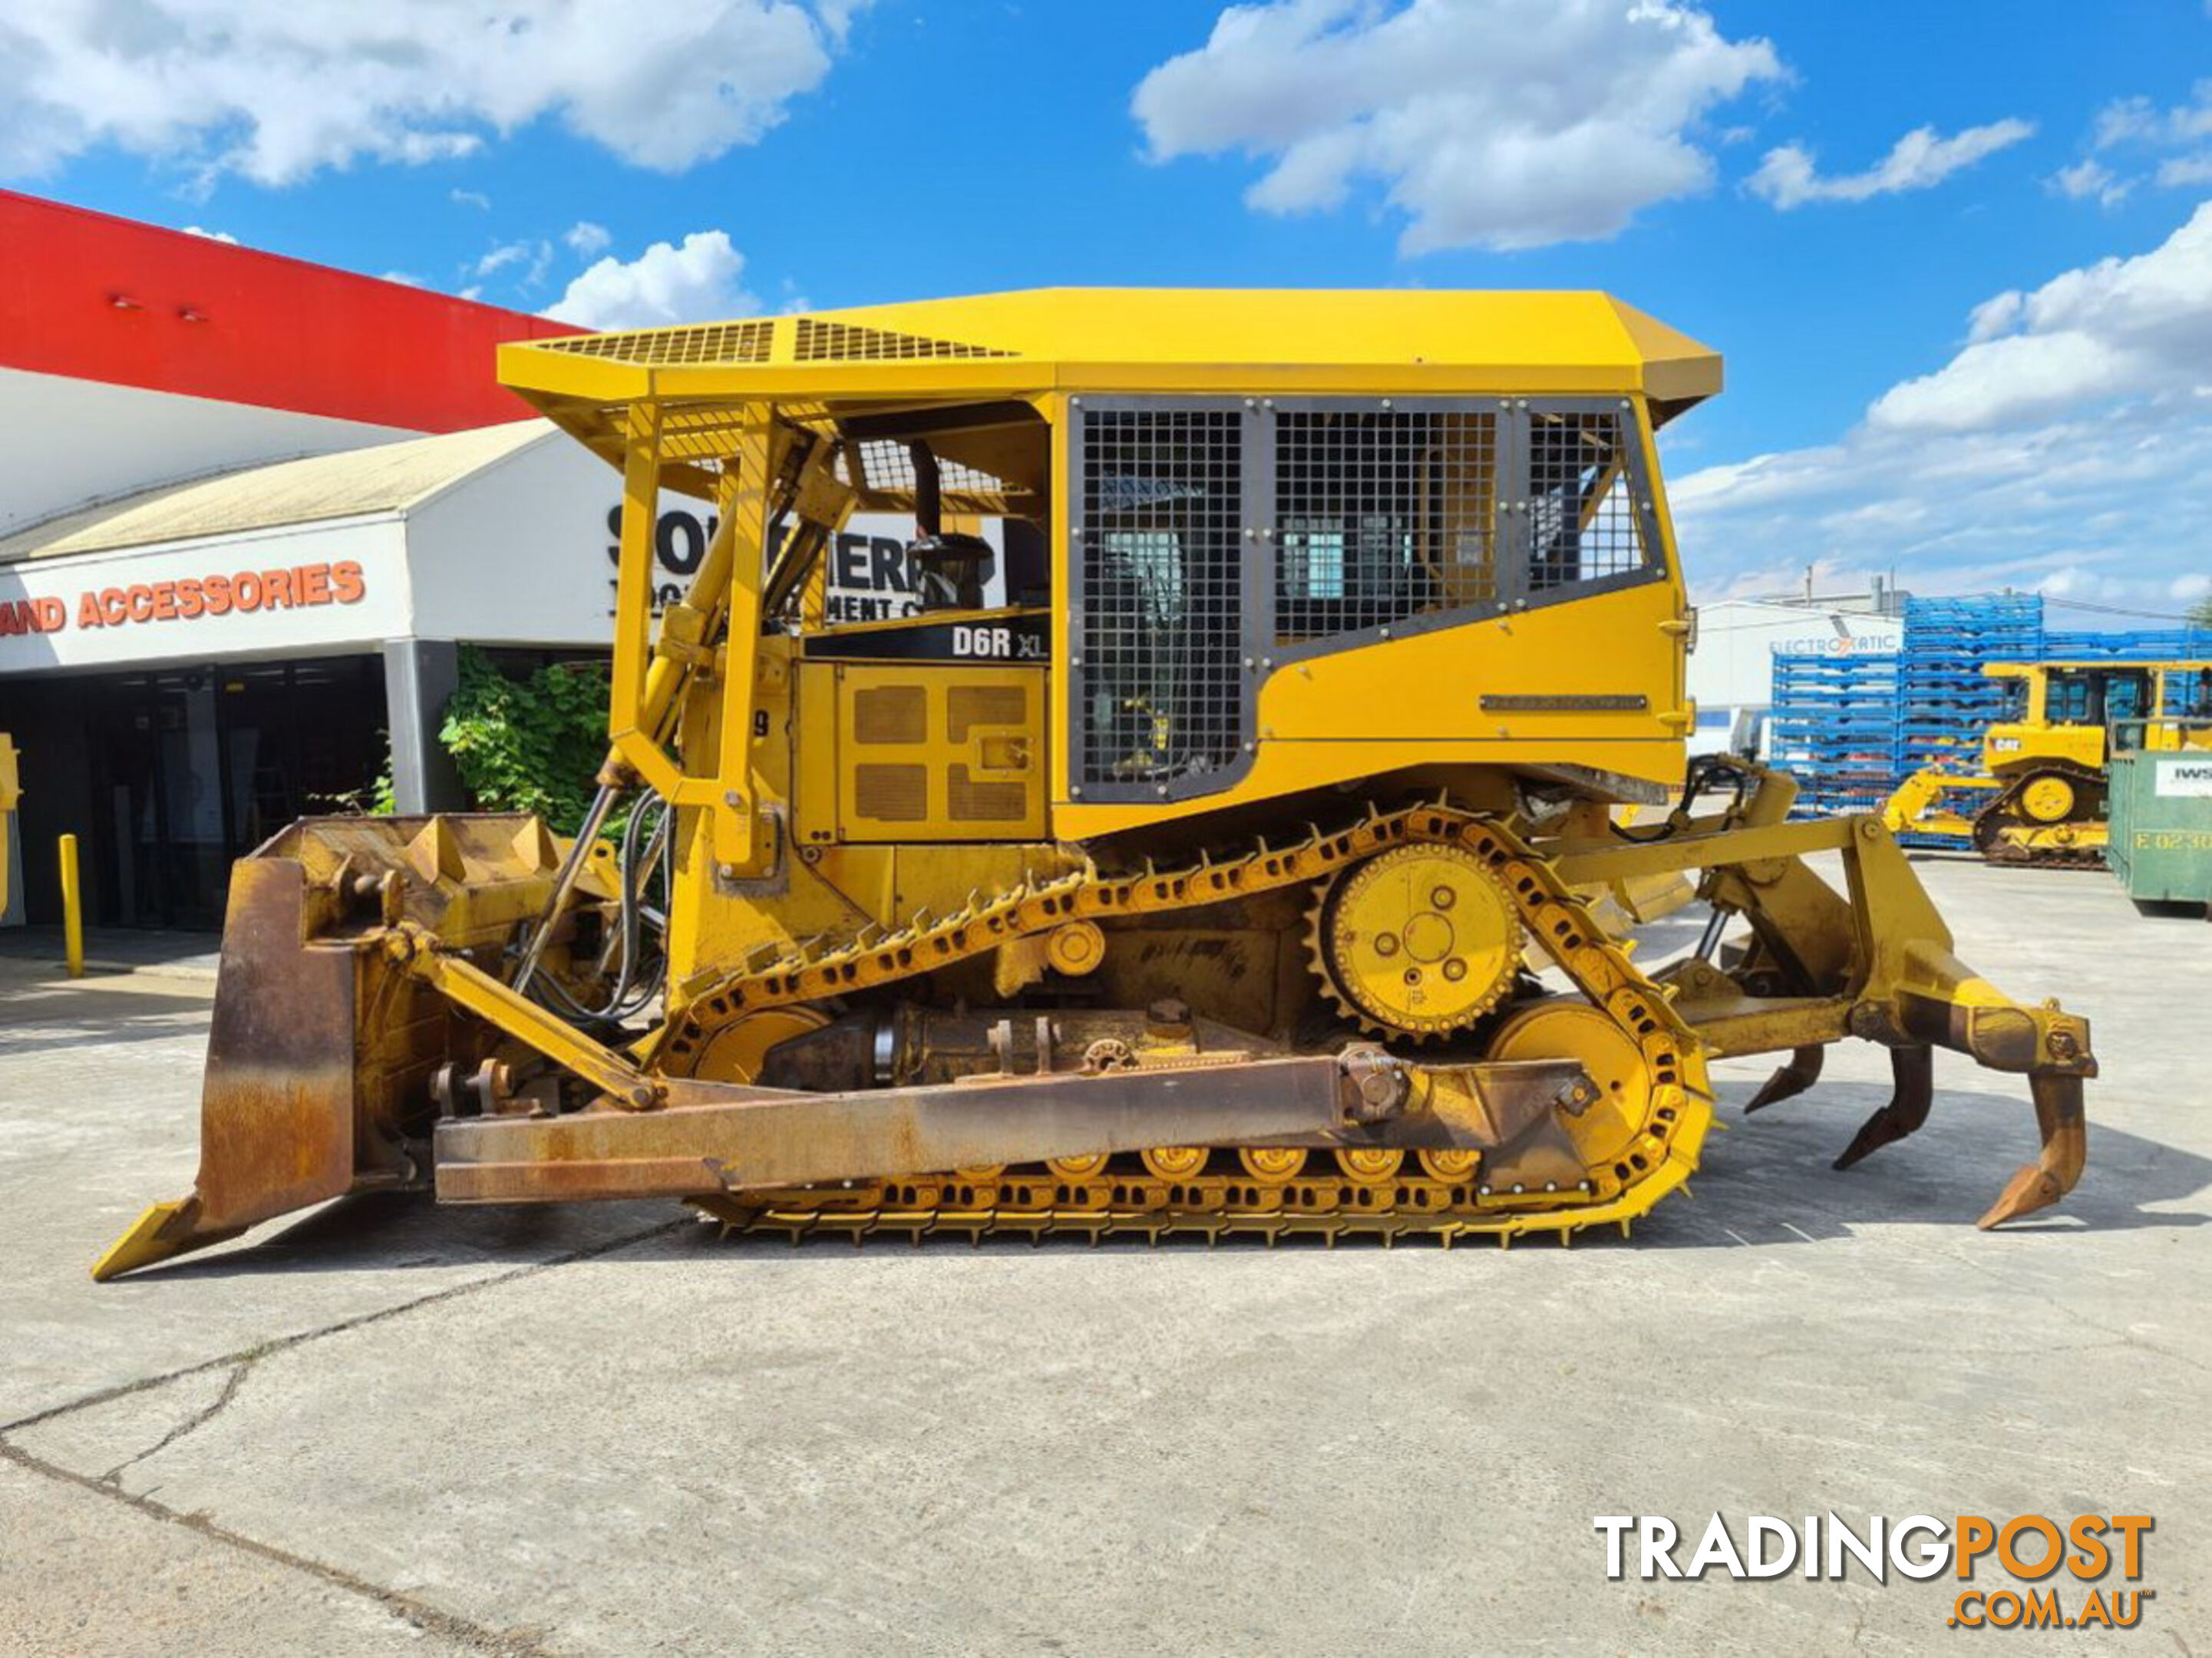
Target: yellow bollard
x,y
72,909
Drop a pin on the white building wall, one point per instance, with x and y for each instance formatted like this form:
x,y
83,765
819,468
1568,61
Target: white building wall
x,y
1731,669
74,441
516,554
1732,665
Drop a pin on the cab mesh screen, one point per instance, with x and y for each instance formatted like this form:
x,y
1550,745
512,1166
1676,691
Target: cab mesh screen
x,y
1582,515
1161,518
1381,517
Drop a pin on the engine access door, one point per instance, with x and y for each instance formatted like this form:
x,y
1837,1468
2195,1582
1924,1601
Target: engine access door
x,y
930,753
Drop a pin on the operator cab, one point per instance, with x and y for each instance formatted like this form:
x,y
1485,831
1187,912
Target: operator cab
x,y
971,574
2189,696
929,726
2096,696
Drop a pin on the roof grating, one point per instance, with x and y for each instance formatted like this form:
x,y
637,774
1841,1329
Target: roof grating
x,y
686,346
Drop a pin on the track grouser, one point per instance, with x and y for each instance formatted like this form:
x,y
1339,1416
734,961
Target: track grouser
x,y
1241,834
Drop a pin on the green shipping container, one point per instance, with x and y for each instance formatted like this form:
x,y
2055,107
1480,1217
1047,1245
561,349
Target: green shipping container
x,y
2162,826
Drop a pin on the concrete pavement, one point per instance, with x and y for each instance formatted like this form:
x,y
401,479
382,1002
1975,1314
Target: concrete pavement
x,y
606,1431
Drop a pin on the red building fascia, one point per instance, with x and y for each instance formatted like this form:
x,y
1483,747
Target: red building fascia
x,y
93,297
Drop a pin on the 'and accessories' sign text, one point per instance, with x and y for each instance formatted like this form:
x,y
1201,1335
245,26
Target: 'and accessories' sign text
x,y
187,598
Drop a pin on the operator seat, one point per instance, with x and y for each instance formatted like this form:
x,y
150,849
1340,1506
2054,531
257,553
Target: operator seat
x,y
948,570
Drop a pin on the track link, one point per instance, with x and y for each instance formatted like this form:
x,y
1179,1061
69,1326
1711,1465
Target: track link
x,y
1036,1204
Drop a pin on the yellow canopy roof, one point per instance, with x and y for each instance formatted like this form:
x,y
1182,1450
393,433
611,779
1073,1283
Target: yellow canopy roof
x,y
1122,340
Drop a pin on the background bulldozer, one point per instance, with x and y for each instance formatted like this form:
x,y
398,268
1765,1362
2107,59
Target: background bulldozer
x,y
2039,795
1221,847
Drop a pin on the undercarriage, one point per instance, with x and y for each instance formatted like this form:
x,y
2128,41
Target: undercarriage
x,y
837,1093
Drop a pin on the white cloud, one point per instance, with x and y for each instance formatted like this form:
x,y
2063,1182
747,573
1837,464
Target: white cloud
x,y
276,91
2119,328
405,279
2140,127
2137,120
475,198
539,255
2090,177
1923,158
2005,378
211,235
1999,314
587,238
2185,170
700,281
1501,123
2110,507
500,257
2066,447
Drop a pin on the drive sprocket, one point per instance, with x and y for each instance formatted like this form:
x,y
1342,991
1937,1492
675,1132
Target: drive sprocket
x,y
1419,940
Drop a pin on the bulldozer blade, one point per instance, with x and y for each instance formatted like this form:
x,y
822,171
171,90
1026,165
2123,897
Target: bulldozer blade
x,y
2065,1130
321,1052
1789,1080
277,1117
1914,1069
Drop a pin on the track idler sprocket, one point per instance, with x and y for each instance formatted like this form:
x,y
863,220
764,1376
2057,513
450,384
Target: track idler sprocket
x,y
1418,941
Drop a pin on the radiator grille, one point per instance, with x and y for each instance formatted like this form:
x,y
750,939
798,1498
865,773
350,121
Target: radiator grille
x,y
1161,517
1381,517
967,707
891,794
1583,520
891,713
970,802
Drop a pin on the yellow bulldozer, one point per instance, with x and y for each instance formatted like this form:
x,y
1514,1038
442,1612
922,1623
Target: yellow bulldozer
x,y
2038,793
1219,850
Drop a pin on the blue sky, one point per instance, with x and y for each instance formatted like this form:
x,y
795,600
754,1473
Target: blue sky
x,y
1750,174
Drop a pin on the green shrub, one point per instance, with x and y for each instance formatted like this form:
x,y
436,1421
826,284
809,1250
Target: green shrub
x,y
532,744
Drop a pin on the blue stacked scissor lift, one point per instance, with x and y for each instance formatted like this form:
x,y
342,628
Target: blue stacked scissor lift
x,y
1834,726
1851,728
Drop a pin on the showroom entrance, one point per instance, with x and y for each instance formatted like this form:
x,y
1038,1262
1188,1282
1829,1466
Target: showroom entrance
x,y
184,769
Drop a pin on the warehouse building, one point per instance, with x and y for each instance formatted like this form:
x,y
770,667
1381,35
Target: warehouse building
x,y
1731,672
